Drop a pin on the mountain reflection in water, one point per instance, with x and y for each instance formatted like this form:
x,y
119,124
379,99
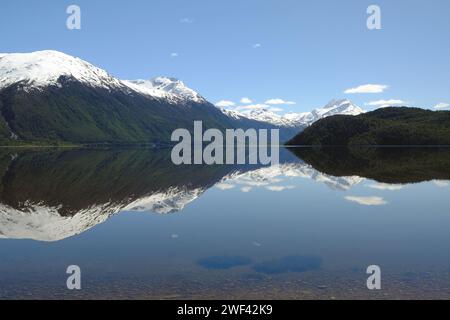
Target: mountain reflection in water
x,y
54,194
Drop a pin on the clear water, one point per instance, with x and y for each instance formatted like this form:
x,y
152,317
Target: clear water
x,y
139,227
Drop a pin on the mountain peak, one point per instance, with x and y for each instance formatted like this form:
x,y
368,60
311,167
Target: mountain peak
x,y
337,106
163,80
44,68
40,69
336,103
175,86
165,87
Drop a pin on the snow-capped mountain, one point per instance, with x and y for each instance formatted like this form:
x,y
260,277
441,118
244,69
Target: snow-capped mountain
x,y
52,96
298,120
165,87
44,68
334,107
111,110
264,116
268,116
264,119
45,223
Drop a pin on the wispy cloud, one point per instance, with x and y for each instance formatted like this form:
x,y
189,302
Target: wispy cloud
x,y
279,188
256,244
257,106
441,105
225,104
246,189
187,20
247,104
257,45
278,101
367,88
386,103
386,186
174,55
367,201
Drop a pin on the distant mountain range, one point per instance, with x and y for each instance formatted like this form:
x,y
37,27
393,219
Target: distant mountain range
x,y
51,97
385,126
299,120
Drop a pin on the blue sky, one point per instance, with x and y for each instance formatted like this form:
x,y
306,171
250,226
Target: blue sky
x,y
307,52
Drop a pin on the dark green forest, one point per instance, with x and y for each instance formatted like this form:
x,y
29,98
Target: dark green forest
x,y
385,126
76,114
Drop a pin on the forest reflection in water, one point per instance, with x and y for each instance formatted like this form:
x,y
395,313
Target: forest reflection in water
x,y
321,215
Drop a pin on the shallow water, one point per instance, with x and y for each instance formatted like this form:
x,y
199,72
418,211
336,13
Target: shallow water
x,y
307,228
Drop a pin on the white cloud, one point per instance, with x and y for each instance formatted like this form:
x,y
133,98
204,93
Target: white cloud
x,y
257,45
174,55
246,189
246,100
367,201
186,20
247,104
279,188
279,101
225,104
386,186
254,107
441,105
367,88
441,183
224,186
386,103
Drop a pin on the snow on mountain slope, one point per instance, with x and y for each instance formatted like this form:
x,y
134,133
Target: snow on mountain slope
x,y
43,223
44,68
335,107
344,107
232,114
261,115
268,116
170,201
280,175
164,87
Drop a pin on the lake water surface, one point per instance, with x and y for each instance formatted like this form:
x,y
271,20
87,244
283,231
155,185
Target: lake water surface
x,y
140,227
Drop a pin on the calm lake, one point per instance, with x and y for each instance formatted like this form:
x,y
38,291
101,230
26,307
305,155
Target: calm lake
x,y
140,227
